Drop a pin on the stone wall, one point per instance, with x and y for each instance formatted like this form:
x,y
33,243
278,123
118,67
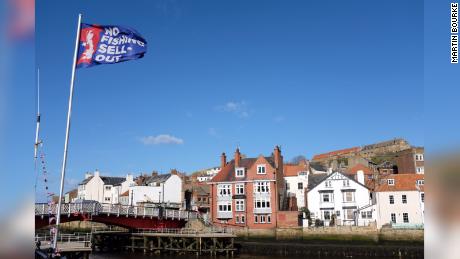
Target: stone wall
x,y
287,219
339,233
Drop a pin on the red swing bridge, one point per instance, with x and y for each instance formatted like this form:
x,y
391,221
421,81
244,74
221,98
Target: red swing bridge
x,y
130,217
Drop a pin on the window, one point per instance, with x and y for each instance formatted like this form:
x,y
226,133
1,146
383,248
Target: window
x,y
239,188
262,203
224,189
348,196
326,197
199,198
107,199
300,186
346,183
391,181
262,187
262,218
420,182
287,186
255,219
239,172
327,215
328,184
406,217
261,169
108,188
420,170
418,157
225,206
337,213
422,196
269,220
392,199
348,213
363,214
239,205
393,218
237,220
404,198
369,214
242,219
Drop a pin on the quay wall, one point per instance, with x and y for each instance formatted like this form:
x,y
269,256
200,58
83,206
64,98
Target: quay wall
x,y
339,234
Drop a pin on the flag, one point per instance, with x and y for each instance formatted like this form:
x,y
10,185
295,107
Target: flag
x,y
108,44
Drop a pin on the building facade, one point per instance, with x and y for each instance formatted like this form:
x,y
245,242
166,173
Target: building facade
x,y
400,200
104,189
249,192
411,161
296,178
157,189
339,199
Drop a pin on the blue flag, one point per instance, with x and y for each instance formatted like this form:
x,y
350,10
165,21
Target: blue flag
x,y
108,44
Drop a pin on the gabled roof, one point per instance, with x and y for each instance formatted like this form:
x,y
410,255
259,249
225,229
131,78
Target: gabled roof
x,y
315,179
161,178
227,174
109,180
402,182
125,193
358,167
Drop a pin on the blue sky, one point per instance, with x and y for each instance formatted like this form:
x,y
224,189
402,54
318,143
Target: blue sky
x,y
309,76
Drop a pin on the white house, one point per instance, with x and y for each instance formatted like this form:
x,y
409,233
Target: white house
x,y
104,189
296,178
400,200
163,188
340,196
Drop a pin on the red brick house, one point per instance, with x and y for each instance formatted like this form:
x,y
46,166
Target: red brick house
x,y
249,192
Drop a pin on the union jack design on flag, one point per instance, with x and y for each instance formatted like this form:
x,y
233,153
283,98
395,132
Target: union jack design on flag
x,y
108,44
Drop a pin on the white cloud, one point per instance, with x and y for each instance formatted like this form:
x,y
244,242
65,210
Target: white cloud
x,y
161,139
238,108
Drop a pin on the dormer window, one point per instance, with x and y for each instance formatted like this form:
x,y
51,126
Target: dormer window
x,y
391,181
261,169
239,172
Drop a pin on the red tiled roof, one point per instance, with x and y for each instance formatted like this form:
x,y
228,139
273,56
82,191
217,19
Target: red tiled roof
x,y
402,182
227,174
358,167
336,153
125,193
294,169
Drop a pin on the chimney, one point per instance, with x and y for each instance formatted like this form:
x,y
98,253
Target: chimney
x,y
360,175
277,156
237,157
223,161
96,173
154,173
88,175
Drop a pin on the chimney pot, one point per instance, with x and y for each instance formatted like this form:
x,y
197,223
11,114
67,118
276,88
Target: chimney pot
x,y
237,157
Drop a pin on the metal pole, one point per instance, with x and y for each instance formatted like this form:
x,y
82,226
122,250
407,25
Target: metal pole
x,y
37,130
69,111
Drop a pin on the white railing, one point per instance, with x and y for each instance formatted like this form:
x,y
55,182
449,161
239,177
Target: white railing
x,y
184,230
80,238
95,208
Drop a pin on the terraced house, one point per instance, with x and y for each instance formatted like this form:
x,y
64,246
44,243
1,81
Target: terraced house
x,y
249,192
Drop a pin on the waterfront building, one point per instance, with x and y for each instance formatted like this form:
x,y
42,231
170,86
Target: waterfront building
x,y
400,200
104,189
339,199
296,178
250,192
156,189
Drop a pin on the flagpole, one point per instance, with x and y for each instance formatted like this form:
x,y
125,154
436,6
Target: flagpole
x,y
69,111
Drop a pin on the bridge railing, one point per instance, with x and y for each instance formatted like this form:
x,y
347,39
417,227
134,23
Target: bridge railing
x,y
184,230
113,209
